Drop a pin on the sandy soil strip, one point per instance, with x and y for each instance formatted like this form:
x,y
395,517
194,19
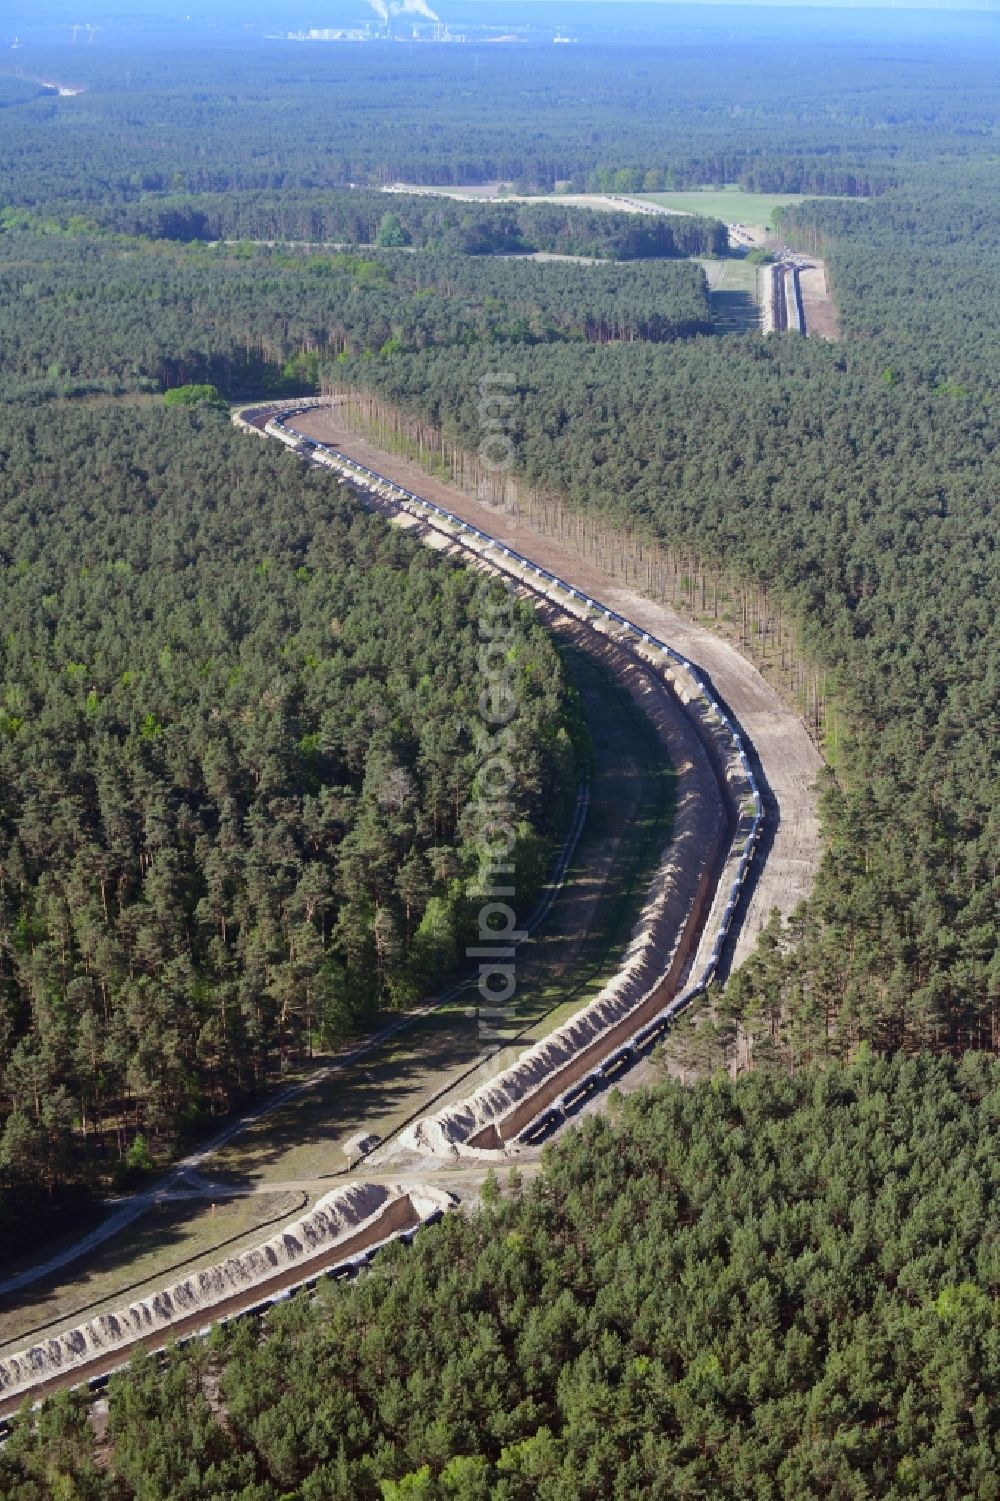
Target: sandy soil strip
x,y
817,302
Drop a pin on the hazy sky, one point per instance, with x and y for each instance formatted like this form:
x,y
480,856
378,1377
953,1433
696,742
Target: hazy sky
x,y
204,9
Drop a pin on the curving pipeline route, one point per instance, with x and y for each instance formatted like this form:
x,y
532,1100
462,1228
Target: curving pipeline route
x,y
509,1109
785,759
746,693
282,427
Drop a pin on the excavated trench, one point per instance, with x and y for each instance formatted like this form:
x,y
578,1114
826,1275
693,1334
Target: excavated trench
x,y
709,844
342,1225
714,780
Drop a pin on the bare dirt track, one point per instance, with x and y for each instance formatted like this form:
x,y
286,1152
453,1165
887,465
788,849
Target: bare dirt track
x,y
817,302
788,759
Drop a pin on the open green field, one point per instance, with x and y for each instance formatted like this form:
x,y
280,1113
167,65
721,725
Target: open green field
x,y
731,205
289,1158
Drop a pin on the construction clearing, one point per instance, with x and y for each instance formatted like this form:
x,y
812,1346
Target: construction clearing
x,y
710,890
338,1236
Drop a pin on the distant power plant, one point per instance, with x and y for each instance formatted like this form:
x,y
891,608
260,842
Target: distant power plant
x,y
436,32
429,29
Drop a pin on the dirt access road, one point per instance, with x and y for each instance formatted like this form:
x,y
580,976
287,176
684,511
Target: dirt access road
x,y
817,301
787,759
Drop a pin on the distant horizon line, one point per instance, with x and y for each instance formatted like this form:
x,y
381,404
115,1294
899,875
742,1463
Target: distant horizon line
x,y
973,6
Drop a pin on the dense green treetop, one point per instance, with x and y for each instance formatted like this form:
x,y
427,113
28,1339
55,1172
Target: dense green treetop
x,y
793,112
778,1288
236,768
194,396
238,765
81,310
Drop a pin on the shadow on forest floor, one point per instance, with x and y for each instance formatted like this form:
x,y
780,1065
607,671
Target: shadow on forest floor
x,y
735,311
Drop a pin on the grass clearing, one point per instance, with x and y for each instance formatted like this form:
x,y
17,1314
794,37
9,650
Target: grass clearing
x,y
731,205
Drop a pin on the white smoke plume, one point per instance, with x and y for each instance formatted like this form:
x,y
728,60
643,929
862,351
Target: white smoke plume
x,y
416,7
384,8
